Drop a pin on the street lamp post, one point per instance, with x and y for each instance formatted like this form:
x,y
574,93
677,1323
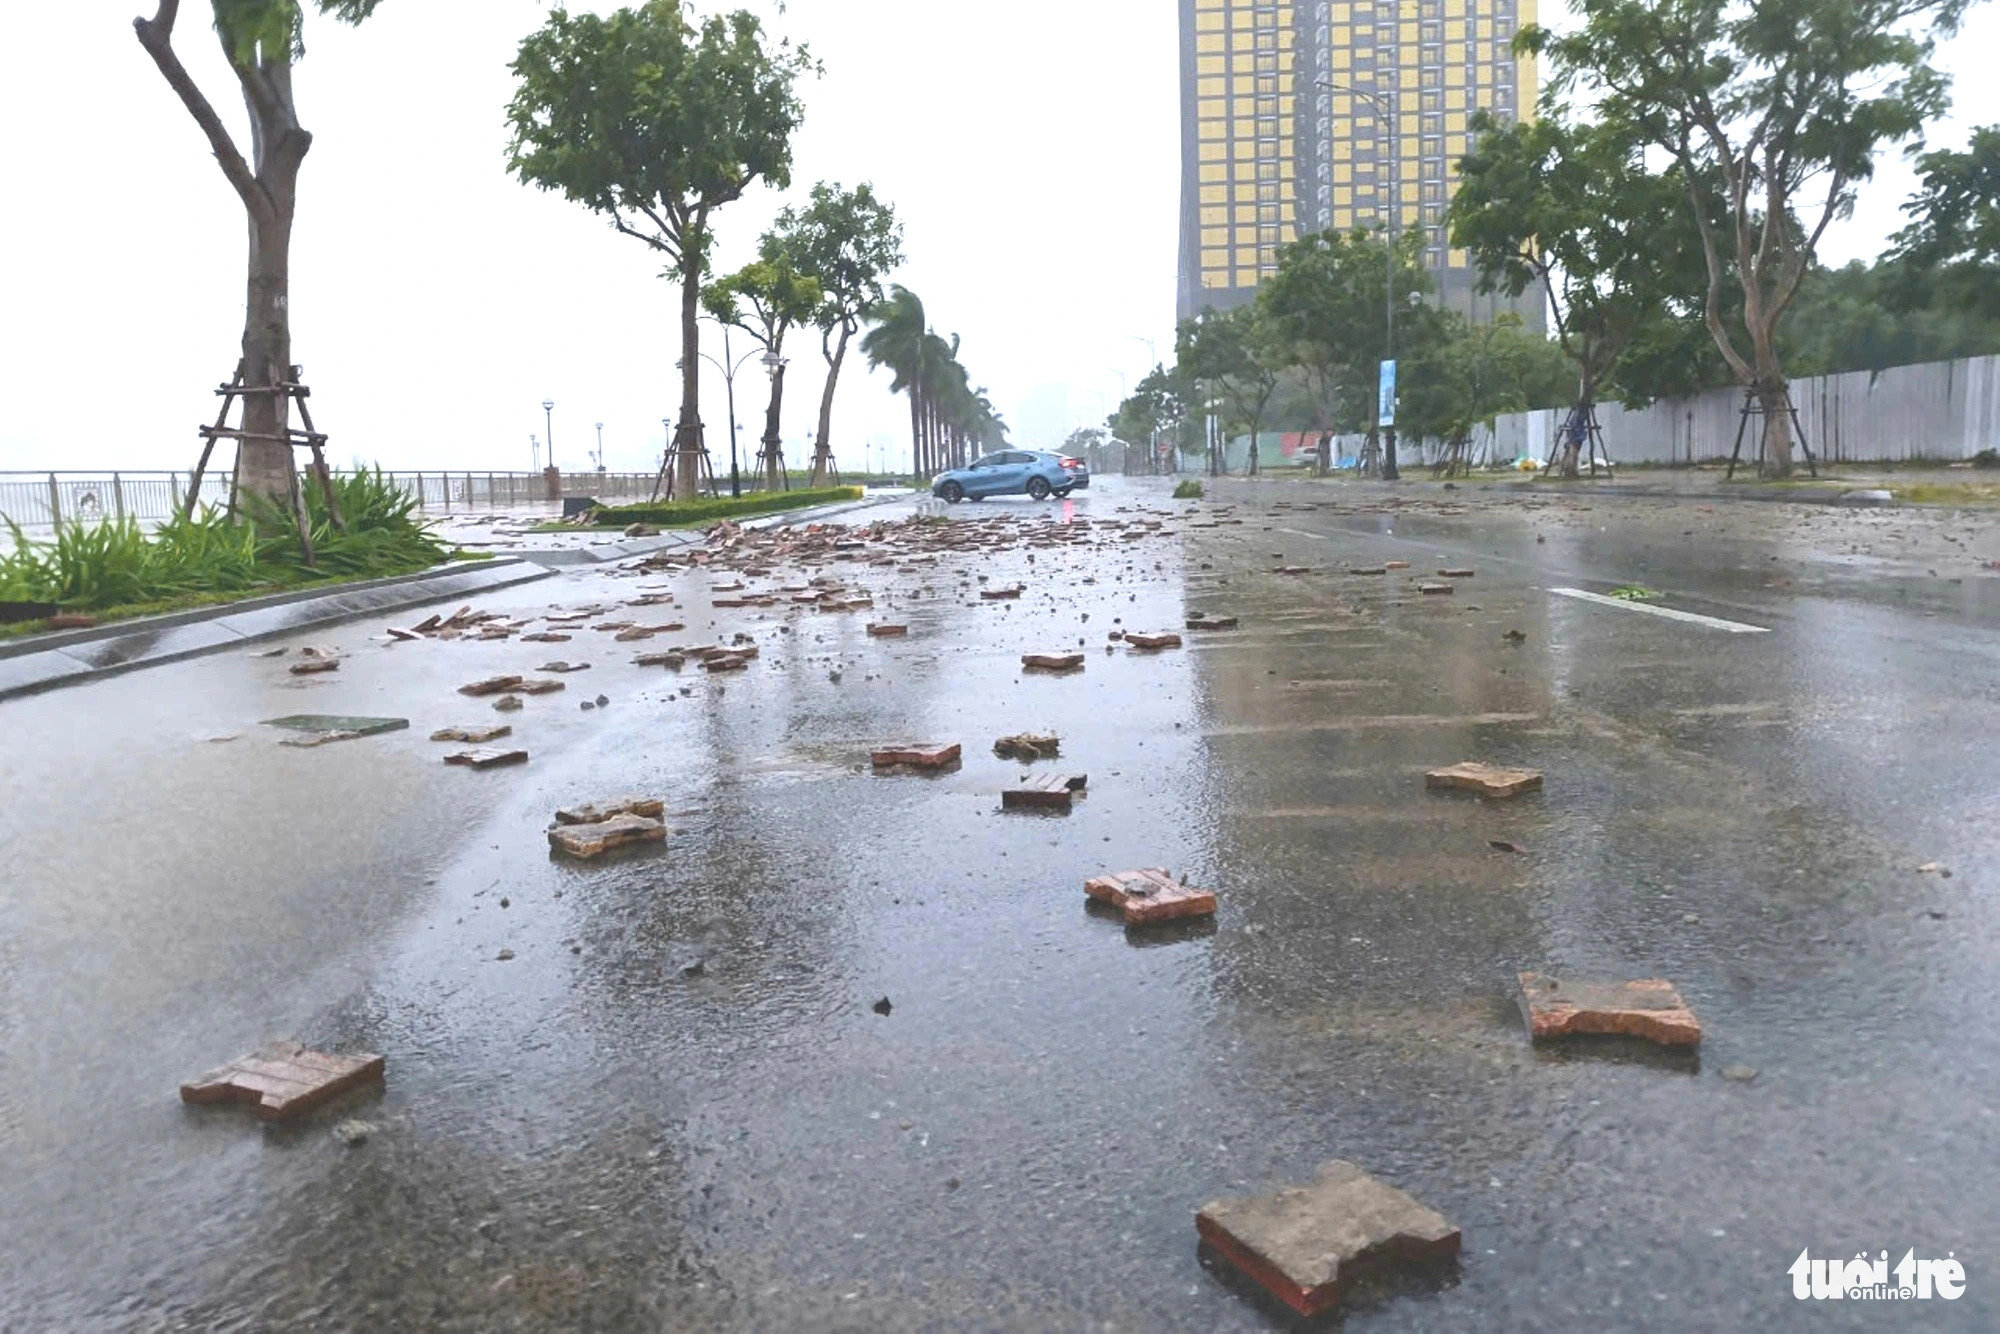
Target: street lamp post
x,y
600,446
535,451
549,420
729,368
1390,149
774,449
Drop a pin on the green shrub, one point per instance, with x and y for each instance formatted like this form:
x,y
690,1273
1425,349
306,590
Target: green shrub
x,y
1188,490
723,507
115,563
1986,458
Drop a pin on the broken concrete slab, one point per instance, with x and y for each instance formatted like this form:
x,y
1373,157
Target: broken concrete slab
x,y
876,631
484,758
1309,1245
1649,1008
473,736
1028,746
597,812
1152,642
284,1079
492,685
594,840
920,755
1052,662
321,723
1202,621
1150,895
1486,779
1047,792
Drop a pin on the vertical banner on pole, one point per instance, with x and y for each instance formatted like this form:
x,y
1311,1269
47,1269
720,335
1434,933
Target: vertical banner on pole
x,y
1385,397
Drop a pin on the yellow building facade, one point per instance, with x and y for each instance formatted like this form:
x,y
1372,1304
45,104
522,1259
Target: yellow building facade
x,y
1304,115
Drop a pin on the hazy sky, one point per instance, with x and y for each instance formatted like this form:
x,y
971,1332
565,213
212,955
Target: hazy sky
x,y
1031,147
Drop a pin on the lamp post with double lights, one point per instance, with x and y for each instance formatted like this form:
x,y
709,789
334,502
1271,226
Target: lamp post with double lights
x,y
1388,150
774,447
729,367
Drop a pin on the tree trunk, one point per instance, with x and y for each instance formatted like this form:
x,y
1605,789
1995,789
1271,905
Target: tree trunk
x,y
688,436
1569,447
823,443
917,431
772,441
264,461
1774,394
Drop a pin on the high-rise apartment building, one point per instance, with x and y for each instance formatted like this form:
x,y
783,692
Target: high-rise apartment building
x,y
1302,115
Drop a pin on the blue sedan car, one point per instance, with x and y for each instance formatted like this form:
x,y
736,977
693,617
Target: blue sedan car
x,y
1013,472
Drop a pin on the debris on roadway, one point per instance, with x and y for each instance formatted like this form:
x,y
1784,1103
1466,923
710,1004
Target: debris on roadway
x,y
486,758
1486,779
586,841
1028,747
1150,895
1649,1008
284,1079
1049,792
915,756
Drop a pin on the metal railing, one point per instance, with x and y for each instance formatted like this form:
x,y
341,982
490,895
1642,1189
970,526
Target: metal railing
x,y
41,502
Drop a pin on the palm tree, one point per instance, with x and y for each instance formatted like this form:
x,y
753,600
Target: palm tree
x,y
897,342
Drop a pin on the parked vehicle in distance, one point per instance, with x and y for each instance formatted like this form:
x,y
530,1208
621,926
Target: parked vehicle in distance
x,y
1013,472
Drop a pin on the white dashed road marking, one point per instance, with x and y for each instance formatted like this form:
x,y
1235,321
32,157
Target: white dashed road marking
x,y
1712,622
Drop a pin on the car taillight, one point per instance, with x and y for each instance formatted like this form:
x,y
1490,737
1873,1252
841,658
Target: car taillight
x,y
1072,463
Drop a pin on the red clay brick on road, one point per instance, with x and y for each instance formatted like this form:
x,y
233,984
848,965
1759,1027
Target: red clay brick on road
x,y
1649,1008
283,1080
1150,895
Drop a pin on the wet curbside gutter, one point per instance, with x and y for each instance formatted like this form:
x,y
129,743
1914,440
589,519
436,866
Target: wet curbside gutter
x,y
48,662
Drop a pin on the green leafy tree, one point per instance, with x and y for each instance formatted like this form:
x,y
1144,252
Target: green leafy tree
x,y
1328,304
1572,211
262,40
1952,246
1238,354
847,241
1463,375
656,122
767,299
1775,109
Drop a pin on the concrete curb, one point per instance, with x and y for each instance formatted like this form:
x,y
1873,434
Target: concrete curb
x,y
48,662
1784,496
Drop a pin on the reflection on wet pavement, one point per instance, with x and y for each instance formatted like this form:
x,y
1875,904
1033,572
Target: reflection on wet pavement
x,y
677,1107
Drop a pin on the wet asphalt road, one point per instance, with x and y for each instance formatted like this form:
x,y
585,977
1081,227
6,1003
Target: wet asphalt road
x,y
596,1135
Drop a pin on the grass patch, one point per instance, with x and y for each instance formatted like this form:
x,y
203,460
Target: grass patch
x,y
1948,493
1188,490
115,570
683,514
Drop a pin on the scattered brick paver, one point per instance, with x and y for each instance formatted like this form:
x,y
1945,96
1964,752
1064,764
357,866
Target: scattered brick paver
x,y
492,685
540,686
1152,642
888,631
560,666
674,661
597,838
473,736
916,755
1433,589
725,662
508,704
1487,779
1395,565
1000,594
1368,569
634,634
1308,1245
484,758
1649,1008
1202,621
545,637
1456,572
1052,662
1150,895
283,1080
311,666
1291,569
596,812
1049,792
1028,746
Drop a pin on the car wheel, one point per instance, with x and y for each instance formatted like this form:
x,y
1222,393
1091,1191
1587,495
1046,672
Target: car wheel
x,y
1062,492
1038,488
952,493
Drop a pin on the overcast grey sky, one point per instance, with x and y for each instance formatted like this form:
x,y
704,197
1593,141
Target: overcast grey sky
x,y
1031,147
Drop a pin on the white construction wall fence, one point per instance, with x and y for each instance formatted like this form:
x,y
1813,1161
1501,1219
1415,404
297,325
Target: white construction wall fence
x,y
1938,410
